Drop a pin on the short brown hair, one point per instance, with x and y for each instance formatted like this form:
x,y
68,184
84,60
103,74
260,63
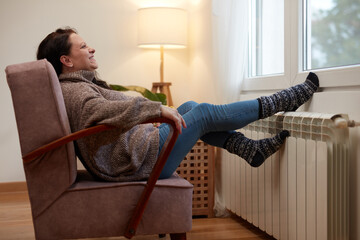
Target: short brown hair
x,y
54,46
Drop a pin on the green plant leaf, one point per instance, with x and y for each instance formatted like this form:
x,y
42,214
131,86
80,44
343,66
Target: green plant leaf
x,y
159,97
162,98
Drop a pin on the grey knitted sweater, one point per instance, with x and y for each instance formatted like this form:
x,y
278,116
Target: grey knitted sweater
x,y
127,153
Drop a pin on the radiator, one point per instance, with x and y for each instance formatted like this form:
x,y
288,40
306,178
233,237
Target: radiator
x,y
300,192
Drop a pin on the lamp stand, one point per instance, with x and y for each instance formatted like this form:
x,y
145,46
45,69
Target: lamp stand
x,y
163,87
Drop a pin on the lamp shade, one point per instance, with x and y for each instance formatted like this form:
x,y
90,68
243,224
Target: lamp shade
x,y
159,26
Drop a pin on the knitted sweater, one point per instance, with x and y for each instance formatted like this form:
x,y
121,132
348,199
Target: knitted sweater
x,y
127,153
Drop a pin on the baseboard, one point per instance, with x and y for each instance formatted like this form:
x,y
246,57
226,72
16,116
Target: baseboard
x,y
13,187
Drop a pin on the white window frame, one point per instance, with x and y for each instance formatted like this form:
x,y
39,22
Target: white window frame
x,y
346,76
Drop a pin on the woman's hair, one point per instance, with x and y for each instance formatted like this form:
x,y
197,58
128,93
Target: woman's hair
x,y
54,46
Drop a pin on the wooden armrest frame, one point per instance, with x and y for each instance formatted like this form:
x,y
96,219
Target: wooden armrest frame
x,y
149,187
154,176
64,140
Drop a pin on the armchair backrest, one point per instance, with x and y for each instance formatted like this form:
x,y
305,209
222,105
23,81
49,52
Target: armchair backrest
x,y
41,118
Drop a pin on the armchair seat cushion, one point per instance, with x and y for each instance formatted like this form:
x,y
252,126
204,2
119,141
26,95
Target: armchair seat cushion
x,y
86,181
79,209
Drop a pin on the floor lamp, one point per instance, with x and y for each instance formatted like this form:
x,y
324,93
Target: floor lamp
x,y
162,28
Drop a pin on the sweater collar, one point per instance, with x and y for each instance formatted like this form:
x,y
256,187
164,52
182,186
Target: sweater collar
x,y
79,75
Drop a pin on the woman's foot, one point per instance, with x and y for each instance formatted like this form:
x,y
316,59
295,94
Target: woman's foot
x,y
255,151
289,99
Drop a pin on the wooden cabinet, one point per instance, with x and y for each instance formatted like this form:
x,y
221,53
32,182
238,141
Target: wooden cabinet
x,y
198,169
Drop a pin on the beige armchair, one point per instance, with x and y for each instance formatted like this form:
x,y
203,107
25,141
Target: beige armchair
x,y
67,203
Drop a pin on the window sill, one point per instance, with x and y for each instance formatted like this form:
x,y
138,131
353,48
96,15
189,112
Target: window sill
x,y
339,77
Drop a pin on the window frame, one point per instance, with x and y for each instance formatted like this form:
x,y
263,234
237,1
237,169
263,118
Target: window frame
x,y
293,60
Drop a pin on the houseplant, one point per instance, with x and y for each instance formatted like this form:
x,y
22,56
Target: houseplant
x,y
159,97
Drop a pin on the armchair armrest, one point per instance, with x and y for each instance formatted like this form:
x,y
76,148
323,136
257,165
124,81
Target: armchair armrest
x,y
77,135
64,140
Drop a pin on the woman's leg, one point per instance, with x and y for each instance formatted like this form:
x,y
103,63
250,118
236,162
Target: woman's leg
x,y
216,139
187,106
205,118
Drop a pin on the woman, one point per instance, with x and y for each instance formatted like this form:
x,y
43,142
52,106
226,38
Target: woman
x,y
129,152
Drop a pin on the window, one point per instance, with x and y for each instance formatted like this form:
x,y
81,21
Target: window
x,y
331,33
287,39
266,37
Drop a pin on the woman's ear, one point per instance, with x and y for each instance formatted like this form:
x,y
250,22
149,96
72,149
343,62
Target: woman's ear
x,y
66,61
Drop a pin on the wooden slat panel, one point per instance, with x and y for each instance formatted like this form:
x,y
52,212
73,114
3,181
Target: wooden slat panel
x,y
198,168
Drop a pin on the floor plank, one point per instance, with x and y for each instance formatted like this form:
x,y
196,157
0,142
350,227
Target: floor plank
x,y
16,223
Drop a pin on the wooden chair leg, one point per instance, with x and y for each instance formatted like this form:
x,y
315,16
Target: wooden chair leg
x,y
178,236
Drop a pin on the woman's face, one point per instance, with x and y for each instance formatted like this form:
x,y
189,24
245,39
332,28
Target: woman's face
x,y
81,55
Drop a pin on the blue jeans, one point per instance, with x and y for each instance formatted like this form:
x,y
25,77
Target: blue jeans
x,y
212,124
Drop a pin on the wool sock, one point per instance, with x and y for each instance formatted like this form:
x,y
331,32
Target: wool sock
x,y
288,99
254,151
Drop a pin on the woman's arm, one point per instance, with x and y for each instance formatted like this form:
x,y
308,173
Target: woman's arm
x,y
87,107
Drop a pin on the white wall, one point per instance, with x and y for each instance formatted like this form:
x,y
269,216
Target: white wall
x,y
108,26
201,85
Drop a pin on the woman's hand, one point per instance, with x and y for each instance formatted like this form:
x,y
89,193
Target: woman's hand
x,y
174,115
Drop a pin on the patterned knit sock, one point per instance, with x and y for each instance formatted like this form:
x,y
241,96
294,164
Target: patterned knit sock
x,y
254,151
289,99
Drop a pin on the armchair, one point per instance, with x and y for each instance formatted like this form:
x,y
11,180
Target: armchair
x,y
70,203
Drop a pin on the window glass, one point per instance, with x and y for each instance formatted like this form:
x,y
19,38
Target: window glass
x,y
331,33
266,37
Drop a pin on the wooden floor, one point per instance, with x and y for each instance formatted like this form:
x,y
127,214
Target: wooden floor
x,y
16,223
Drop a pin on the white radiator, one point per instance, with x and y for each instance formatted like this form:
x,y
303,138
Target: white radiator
x,y
301,192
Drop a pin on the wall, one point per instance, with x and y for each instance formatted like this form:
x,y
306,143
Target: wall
x,y
201,85
108,26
